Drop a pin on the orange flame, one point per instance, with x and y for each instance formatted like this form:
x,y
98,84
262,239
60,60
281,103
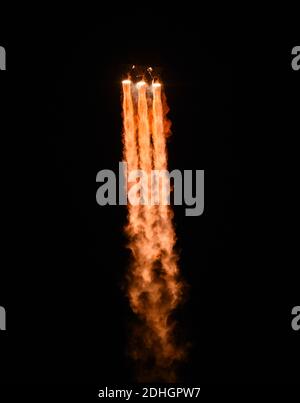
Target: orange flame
x,y
154,287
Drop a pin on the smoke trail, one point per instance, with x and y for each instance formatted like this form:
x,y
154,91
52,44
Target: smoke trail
x,y
154,287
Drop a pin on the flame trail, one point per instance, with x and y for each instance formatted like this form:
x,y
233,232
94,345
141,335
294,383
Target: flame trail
x,y
130,153
154,288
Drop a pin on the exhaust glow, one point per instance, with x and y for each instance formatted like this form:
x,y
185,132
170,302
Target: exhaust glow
x,y
154,287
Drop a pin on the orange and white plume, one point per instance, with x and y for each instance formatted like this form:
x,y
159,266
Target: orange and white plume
x,y
154,286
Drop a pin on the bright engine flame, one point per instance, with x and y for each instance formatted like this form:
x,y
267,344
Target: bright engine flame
x,y
154,287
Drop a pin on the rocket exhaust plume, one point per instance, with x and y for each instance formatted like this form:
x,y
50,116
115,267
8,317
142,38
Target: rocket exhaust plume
x,y
154,287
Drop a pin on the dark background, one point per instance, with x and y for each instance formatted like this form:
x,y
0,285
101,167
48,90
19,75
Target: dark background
x,y
233,105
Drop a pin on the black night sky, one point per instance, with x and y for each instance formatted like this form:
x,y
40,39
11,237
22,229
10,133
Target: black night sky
x,y
233,108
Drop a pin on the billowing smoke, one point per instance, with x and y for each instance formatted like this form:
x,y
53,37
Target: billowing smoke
x,y
154,286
